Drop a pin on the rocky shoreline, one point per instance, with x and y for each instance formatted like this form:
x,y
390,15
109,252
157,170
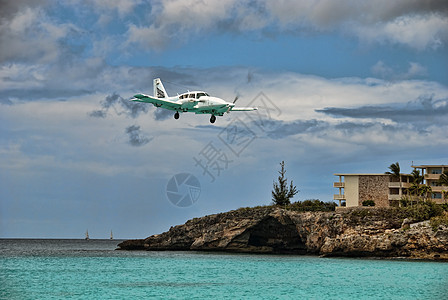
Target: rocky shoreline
x,y
357,232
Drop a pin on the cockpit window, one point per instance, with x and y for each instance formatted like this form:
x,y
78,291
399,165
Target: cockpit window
x,y
202,94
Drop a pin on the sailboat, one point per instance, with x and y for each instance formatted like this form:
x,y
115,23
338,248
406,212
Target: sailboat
x,y
111,235
87,235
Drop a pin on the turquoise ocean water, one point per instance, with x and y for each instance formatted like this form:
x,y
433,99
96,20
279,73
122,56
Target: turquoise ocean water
x,y
78,269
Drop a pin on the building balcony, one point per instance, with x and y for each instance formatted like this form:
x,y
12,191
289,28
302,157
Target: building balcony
x,y
338,184
404,185
339,197
394,197
432,176
439,189
439,201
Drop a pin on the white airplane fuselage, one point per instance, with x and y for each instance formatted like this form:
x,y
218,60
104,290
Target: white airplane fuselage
x,y
198,102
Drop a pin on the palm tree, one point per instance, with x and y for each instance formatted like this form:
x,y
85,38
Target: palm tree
x,y
443,180
425,191
414,191
395,172
416,177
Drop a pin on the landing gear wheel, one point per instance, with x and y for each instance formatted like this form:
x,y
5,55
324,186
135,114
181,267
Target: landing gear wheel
x,y
176,115
212,119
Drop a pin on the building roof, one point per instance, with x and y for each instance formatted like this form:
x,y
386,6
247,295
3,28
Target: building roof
x,y
368,174
430,166
361,174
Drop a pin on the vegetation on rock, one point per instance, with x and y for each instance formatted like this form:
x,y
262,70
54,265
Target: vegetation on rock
x,y
281,194
439,221
312,205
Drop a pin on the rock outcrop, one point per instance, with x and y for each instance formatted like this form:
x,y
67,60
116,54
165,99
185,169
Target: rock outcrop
x,y
356,232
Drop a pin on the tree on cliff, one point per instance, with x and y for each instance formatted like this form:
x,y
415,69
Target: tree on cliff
x,y
281,194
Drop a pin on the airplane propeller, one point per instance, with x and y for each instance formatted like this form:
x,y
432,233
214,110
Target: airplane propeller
x,y
230,106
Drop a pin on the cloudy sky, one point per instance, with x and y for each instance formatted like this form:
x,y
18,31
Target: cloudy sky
x,y
341,86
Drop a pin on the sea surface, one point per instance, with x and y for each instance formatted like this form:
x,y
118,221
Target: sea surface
x,y
79,269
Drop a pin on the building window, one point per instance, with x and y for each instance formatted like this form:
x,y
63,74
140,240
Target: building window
x,y
394,179
394,191
437,196
436,171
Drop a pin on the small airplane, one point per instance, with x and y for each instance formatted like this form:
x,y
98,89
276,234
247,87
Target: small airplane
x,y
198,102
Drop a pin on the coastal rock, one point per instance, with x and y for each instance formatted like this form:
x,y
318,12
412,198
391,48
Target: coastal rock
x,y
355,232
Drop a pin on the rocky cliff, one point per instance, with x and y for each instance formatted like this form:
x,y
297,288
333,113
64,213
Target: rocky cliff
x,y
355,232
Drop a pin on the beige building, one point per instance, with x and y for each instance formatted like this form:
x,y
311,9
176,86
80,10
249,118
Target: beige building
x,y
431,175
386,190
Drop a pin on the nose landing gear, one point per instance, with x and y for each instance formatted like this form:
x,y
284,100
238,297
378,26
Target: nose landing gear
x,y
176,115
212,119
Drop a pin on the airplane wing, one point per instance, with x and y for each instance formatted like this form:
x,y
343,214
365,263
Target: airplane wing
x,y
158,102
219,110
243,108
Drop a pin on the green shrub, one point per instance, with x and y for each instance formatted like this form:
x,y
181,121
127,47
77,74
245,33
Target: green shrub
x,y
423,211
405,202
439,220
444,206
361,213
312,205
368,203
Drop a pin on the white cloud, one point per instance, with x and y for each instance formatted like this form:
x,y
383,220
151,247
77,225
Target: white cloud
x,y
416,69
148,37
21,76
398,22
386,72
123,7
29,35
382,70
177,20
416,31
411,23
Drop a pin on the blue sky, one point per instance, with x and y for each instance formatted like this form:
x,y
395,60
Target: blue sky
x,y
342,86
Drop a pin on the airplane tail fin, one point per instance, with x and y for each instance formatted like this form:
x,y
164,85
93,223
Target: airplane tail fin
x,y
159,90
